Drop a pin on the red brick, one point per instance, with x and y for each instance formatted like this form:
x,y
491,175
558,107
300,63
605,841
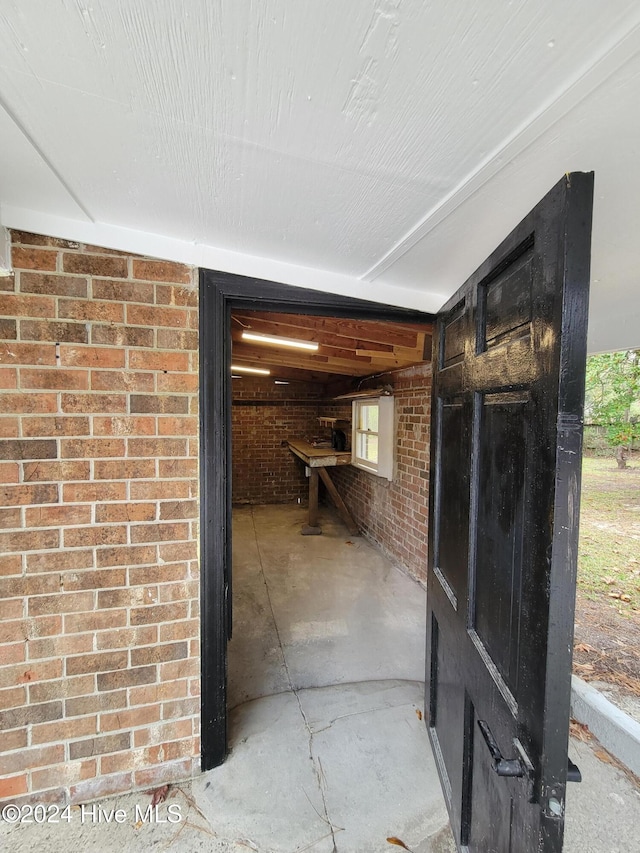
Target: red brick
x,y
57,516
126,637
158,360
61,688
68,380
28,448
103,357
75,537
13,786
180,630
178,468
94,621
44,426
177,552
10,518
13,353
29,585
147,315
69,774
9,472
126,512
122,336
48,330
124,426
113,267
55,471
177,426
180,296
177,339
11,676
156,447
128,469
130,719
178,509
152,270
10,564
103,786
8,329
94,579
59,561
87,309
91,448
28,403
160,404
151,694
53,285
30,715
9,427
96,662
179,383
158,613
156,489
30,540
8,378
33,259
99,745
111,701
51,647
126,678
127,555
98,403
67,602
81,492
123,291
159,654
26,238
117,380
174,771
159,532
14,697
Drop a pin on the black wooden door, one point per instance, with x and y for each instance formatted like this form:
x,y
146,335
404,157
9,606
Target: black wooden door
x,y
509,361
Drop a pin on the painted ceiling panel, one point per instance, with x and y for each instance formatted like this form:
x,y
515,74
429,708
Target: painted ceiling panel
x,y
359,138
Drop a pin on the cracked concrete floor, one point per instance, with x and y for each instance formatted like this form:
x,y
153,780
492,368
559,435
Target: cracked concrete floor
x,y
326,670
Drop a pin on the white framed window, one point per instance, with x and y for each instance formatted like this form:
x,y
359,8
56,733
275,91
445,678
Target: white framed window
x,y
372,437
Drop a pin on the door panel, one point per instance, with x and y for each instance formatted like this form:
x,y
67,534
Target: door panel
x,y
509,360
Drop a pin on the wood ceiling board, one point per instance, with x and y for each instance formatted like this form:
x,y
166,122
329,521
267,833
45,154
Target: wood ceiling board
x,y
378,332
260,324
322,364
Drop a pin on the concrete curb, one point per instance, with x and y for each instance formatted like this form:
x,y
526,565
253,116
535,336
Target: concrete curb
x,y
617,732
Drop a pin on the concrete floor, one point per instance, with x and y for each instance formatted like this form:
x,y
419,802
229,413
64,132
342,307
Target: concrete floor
x,y
327,749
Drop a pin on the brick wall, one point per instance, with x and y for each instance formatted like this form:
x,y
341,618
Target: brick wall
x,y
394,514
264,416
98,532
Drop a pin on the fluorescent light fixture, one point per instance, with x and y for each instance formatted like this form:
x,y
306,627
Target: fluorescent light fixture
x,y
280,342
280,382
259,370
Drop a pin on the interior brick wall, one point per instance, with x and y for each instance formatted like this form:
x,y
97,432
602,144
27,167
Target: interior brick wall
x,y
99,666
264,416
394,513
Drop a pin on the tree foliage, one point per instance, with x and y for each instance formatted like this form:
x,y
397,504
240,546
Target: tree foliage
x,y
613,397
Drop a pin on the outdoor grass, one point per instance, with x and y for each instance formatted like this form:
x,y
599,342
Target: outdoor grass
x,y
609,547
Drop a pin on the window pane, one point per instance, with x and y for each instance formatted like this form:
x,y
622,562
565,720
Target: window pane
x,y
369,417
370,448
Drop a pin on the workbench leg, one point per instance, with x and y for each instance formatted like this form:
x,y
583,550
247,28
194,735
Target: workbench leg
x,y
312,529
352,527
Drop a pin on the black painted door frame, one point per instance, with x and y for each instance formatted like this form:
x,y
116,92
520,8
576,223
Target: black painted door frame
x,y
220,293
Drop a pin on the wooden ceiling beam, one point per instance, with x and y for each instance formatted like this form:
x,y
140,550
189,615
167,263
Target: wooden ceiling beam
x,y
322,363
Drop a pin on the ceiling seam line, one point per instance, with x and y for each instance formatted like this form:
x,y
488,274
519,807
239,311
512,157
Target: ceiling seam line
x,y
526,136
45,159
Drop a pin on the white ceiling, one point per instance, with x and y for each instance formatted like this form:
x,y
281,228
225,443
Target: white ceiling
x,y
374,148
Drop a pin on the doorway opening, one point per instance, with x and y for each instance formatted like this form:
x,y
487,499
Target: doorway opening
x,y
222,296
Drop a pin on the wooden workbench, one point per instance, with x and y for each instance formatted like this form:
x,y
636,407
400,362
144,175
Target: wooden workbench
x,y
317,460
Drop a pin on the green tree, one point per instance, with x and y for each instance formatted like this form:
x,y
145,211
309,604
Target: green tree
x,y
613,398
